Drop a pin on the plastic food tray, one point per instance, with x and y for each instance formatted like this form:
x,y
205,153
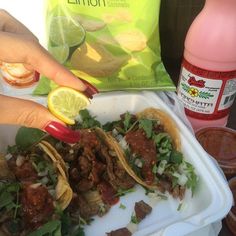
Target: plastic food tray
x,y
211,202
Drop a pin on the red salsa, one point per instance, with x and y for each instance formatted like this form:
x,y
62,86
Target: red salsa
x,y
220,143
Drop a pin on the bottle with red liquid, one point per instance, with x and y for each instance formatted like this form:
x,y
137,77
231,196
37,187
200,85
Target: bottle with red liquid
x,y
207,83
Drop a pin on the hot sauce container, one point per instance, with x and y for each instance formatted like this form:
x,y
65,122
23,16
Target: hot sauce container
x,y
207,84
220,143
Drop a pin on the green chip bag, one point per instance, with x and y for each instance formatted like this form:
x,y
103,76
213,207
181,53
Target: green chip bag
x,y
113,44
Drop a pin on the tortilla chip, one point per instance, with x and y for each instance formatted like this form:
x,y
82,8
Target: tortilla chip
x,y
95,60
91,25
122,15
132,40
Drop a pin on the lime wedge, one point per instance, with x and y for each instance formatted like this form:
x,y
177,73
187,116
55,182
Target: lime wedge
x,y
60,53
65,30
65,103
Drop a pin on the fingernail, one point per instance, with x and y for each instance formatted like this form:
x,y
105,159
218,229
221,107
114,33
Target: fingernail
x,y
90,90
61,132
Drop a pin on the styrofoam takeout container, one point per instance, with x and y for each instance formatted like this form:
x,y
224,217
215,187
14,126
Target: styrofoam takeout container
x,y
211,202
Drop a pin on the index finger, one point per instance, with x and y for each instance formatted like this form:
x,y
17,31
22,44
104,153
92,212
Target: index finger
x,y
44,63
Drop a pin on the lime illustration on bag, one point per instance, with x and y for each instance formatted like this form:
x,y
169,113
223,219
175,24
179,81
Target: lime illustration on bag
x,y
113,44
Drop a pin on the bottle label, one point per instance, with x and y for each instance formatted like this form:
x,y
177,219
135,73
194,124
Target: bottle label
x,y
229,94
206,94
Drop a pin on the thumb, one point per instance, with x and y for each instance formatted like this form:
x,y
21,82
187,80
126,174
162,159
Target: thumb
x,y
24,112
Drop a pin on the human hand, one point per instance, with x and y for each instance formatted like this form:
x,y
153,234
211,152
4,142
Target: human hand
x,y
19,45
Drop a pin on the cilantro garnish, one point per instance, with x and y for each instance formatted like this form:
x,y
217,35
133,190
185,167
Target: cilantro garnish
x,y
9,197
42,165
176,157
147,126
122,192
134,219
162,196
127,121
158,138
154,169
147,190
180,206
68,228
14,226
62,227
192,181
122,206
13,149
86,121
50,228
26,137
132,163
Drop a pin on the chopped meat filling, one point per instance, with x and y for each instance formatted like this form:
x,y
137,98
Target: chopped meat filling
x,y
95,163
25,173
141,209
37,205
145,149
89,139
120,232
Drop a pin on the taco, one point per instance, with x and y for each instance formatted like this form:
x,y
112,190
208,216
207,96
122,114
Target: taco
x,y
38,189
96,174
149,147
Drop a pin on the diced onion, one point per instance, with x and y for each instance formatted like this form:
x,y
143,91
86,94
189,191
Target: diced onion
x,y
153,201
163,150
161,167
20,160
155,197
43,173
52,192
123,144
44,180
182,167
71,151
138,163
182,180
132,227
35,185
114,132
102,208
112,153
8,156
119,137
152,195
176,174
